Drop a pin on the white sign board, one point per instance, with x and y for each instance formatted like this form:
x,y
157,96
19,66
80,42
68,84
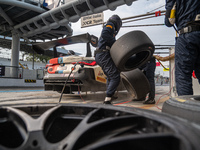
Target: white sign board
x,y
91,20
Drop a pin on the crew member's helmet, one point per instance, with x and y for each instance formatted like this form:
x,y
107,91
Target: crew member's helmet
x,y
116,20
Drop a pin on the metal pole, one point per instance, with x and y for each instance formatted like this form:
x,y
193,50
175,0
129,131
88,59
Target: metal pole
x,y
33,58
142,15
144,25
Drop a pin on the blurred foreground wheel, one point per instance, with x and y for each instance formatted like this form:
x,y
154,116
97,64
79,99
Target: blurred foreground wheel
x,y
97,127
187,107
132,50
136,83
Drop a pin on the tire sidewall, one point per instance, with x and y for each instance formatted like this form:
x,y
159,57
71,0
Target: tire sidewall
x,y
129,44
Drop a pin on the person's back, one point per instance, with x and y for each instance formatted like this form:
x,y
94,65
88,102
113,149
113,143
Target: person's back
x,y
186,11
186,14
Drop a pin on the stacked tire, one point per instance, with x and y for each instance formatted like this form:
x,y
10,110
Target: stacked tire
x,y
186,107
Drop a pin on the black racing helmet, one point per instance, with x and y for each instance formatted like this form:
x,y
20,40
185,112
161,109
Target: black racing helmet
x,y
116,20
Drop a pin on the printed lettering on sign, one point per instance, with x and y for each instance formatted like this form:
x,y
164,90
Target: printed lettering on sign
x,y
91,20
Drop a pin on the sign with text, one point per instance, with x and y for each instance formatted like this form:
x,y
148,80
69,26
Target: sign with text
x,y
91,20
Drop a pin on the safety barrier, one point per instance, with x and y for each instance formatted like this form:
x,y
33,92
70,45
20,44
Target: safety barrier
x,y
20,73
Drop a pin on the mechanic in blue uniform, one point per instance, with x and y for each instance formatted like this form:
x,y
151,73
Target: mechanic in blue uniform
x,y
149,71
103,58
187,47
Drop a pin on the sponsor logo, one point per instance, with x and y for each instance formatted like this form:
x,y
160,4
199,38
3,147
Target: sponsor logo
x,y
101,79
100,73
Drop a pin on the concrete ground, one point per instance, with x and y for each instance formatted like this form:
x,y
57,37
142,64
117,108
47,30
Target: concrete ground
x,y
10,96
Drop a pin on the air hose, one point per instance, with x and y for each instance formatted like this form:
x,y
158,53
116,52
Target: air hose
x,y
167,58
72,69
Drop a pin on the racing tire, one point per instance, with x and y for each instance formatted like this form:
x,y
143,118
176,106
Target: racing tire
x,y
136,83
187,107
96,127
132,50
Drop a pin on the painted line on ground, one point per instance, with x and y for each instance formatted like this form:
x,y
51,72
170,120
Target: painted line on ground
x,y
21,91
147,106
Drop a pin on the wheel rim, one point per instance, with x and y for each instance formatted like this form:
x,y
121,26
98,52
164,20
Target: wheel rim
x,y
98,127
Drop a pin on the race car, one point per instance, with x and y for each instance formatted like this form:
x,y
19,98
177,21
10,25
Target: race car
x,y
73,72
80,73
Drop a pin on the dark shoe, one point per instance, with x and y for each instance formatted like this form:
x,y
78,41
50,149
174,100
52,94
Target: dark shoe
x,y
114,98
141,99
107,102
149,101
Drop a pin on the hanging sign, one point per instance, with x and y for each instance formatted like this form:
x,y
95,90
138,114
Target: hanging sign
x,y
91,20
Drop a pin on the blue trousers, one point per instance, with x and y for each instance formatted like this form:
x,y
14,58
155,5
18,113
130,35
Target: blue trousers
x,y
105,61
149,71
187,59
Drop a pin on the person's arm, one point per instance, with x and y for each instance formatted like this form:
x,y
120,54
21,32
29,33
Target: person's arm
x,y
108,34
169,9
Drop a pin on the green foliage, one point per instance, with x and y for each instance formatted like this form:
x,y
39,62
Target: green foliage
x,y
63,48
37,58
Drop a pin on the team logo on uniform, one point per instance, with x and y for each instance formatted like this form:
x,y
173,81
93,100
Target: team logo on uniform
x,y
109,26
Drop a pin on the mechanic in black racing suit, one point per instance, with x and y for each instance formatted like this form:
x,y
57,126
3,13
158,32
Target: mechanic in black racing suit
x,y
103,58
185,14
149,71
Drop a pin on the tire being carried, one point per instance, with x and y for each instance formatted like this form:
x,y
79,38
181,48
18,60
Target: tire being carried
x,y
132,50
187,107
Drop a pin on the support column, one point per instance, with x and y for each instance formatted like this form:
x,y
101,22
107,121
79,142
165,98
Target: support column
x,y
15,55
33,58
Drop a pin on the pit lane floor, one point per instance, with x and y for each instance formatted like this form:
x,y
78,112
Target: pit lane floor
x,y
17,96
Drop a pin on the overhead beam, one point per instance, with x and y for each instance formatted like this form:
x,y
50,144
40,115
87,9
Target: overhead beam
x,y
5,16
67,18
24,5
